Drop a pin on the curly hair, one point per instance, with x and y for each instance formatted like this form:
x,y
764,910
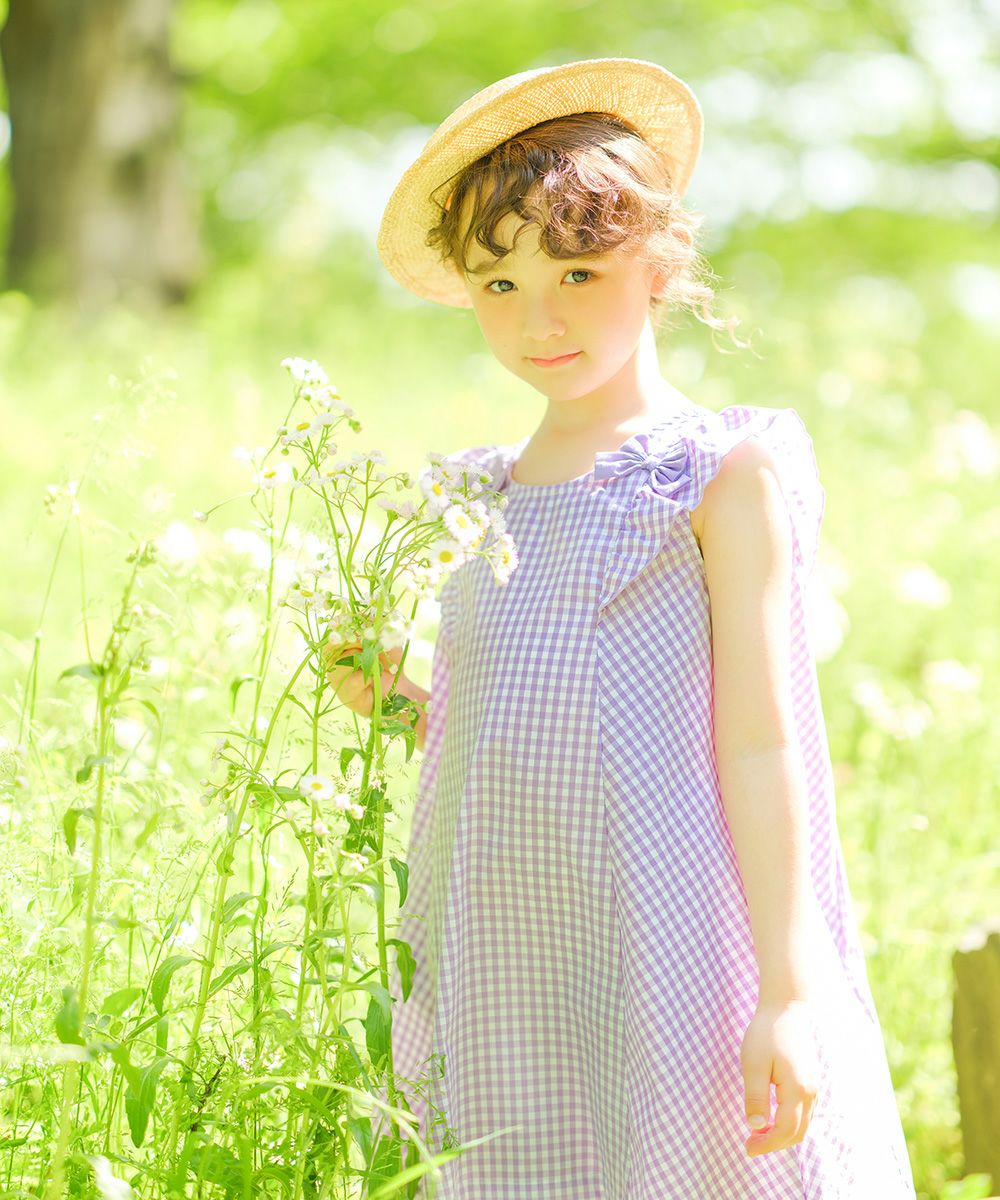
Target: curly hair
x,y
602,187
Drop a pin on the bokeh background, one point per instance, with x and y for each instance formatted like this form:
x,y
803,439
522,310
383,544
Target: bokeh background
x,y
191,192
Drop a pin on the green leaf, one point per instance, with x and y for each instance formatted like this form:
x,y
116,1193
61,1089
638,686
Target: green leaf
x,y
378,1022
406,963
369,659
235,686
217,1165
70,820
360,1128
234,903
121,1056
147,829
387,1162
139,1103
68,1018
92,760
86,670
164,973
227,975
117,1003
402,872
272,948
274,789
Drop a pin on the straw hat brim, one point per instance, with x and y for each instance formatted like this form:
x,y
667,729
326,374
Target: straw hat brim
x,y
660,106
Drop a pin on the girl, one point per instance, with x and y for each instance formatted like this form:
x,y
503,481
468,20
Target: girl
x,y
631,920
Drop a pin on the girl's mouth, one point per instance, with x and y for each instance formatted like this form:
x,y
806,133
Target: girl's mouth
x,y
555,362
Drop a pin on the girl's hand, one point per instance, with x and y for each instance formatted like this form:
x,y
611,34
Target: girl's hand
x,y
780,1047
349,683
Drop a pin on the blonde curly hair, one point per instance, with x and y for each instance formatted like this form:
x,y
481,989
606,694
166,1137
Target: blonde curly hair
x,y
602,187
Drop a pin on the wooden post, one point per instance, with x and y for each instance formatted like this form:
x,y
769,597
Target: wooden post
x,y
976,1043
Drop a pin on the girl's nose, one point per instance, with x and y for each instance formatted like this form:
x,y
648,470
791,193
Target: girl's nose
x,y
541,324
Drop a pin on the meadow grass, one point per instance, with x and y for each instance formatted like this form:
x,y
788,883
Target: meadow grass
x,y
140,909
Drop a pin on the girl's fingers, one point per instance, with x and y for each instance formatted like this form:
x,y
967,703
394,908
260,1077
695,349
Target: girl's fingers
x,y
782,1133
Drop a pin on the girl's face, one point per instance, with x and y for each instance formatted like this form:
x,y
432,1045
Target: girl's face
x,y
532,306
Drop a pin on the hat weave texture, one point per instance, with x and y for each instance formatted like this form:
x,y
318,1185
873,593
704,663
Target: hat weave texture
x,y
654,101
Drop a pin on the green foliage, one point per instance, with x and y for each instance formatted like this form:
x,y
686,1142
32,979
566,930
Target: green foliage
x,y
869,322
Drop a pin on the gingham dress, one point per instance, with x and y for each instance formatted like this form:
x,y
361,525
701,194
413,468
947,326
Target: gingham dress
x,y
585,968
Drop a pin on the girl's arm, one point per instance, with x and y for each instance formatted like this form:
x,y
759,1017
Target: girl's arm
x,y
746,544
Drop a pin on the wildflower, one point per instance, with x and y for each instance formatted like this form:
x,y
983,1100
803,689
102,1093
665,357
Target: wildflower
x,y
298,433
270,477
400,508
342,801
353,864
320,828
504,558
305,370
461,524
356,811
447,553
316,787
178,543
108,1185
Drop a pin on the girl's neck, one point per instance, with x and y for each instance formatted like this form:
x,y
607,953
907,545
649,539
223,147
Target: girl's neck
x,y
635,398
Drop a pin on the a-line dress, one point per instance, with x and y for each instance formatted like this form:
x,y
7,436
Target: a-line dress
x,y
585,967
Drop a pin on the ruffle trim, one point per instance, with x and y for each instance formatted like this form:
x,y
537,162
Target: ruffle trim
x,y
675,465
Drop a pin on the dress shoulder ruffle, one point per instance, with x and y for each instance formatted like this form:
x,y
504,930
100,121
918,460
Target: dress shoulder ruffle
x,y
674,465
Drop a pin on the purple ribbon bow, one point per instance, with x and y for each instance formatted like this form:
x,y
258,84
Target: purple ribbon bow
x,y
667,469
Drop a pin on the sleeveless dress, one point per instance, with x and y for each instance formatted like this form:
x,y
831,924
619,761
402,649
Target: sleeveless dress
x,y
585,969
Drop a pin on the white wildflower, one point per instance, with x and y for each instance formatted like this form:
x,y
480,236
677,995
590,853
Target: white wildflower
x,y
107,1182
304,370
463,526
270,477
503,558
316,787
178,543
447,554
299,432
353,864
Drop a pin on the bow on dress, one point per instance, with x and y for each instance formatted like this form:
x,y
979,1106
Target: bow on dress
x,y
647,525
667,469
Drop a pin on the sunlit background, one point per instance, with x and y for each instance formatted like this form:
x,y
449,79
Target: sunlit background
x,y
192,192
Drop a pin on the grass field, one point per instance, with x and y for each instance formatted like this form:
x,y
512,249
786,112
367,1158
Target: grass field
x,y
231,1066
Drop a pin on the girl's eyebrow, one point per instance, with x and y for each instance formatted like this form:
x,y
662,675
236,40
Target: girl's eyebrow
x,y
487,267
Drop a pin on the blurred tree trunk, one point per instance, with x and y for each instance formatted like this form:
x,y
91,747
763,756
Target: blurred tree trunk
x,y
100,207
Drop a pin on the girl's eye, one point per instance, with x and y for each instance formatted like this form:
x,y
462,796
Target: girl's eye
x,y
574,271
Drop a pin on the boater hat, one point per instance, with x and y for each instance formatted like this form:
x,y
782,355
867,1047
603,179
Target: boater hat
x,y
660,106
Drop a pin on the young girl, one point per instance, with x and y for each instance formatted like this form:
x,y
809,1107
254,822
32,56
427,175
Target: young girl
x,y
628,904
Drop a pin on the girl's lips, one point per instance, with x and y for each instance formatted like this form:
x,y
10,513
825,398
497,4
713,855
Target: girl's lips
x,y
554,362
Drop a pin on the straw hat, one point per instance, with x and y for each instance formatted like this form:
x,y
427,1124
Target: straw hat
x,y
658,104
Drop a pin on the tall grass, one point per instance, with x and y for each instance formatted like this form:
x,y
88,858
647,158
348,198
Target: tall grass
x,y
905,424
223,1021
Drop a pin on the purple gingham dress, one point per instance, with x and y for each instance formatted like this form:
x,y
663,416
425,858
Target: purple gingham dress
x,y
585,967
